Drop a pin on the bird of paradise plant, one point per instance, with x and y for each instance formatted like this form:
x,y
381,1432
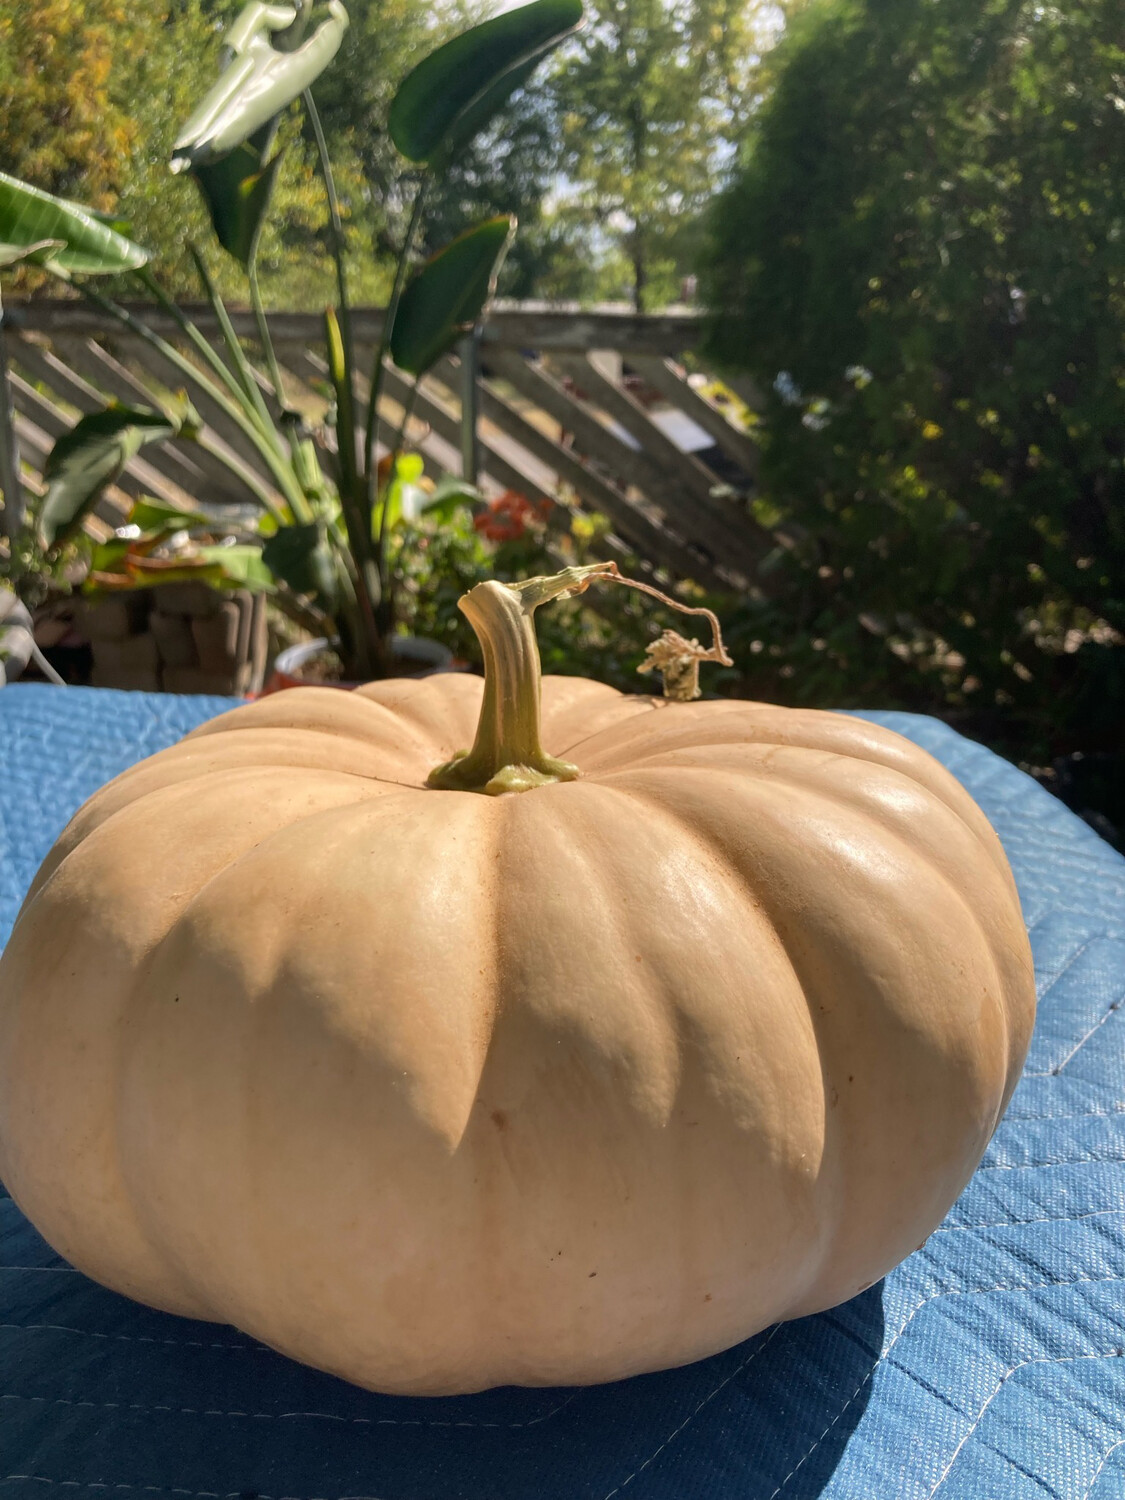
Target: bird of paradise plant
x,y
327,543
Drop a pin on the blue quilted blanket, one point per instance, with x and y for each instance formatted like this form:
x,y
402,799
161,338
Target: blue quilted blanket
x,y
989,1366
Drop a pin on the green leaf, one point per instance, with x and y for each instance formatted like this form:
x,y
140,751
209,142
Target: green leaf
x,y
301,557
454,92
105,556
403,496
448,294
237,189
449,495
90,456
258,83
242,564
39,252
151,514
64,236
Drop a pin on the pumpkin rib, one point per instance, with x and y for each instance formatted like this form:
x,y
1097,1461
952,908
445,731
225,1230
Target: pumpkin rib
x,y
105,951
762,892
251,1034
652,803
87,821
982,833
331,712
244,746
937,780
685,1027
443,707
621,1047
617,709
887,830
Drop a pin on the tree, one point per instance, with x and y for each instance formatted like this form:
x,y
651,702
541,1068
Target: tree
x,y
650,98
61,124
94,92
920,262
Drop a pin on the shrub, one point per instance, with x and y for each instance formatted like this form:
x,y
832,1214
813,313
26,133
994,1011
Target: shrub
x,y
920,260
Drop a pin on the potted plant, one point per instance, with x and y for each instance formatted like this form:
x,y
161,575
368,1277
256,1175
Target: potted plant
x,y
326,543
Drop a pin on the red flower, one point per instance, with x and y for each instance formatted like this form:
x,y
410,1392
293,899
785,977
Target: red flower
x,y
505,518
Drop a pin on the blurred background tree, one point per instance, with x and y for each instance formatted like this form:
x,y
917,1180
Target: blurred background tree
x,y
93,93
62,124
652,98
921,261
608,165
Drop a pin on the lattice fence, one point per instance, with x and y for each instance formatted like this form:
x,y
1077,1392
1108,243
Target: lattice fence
x,y
592,410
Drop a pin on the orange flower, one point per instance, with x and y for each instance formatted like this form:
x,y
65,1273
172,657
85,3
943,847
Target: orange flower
x,y
505,518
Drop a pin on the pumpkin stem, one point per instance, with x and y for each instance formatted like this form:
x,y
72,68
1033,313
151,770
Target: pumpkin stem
x,y
507,755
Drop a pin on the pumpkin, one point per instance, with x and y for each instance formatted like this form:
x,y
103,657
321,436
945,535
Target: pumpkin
x,y
440,1091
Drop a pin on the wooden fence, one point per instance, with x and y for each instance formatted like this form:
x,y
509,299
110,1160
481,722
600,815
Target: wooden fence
x,y
592,410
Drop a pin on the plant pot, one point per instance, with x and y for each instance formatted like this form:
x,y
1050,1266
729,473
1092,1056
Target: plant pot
x,y
179,638
416,655
16,640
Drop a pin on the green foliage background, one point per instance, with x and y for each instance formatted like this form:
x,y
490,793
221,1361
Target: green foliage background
x,y
921,261
93,92
607,161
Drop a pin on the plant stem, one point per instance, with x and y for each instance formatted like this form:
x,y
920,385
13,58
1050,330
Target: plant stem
x,y
265,338
191,332
338,241
407,413
247,380
371,437
507,755
357,513
385,613
282,473
11,520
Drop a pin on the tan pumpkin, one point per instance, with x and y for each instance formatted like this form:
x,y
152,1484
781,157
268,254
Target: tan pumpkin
x,y
440,1091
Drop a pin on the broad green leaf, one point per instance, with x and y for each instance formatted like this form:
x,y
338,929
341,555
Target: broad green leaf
x,y
242,564
106,556
90,456
39,252
402,495
258,83
237,189
120,564
449,495
301,557
31,221
454,92
448,294
151,514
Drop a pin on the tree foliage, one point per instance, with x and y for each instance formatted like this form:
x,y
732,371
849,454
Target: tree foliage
x,y
921,262
650,98
92,93
62,125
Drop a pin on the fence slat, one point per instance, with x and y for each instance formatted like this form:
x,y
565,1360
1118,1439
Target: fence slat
x,y
659,499
682,485
439,456
219,484
66,385
664,376
171,378
525,325
649,534
637,533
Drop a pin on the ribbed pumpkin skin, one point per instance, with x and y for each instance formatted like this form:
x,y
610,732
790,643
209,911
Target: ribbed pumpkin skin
x,y
440,1091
